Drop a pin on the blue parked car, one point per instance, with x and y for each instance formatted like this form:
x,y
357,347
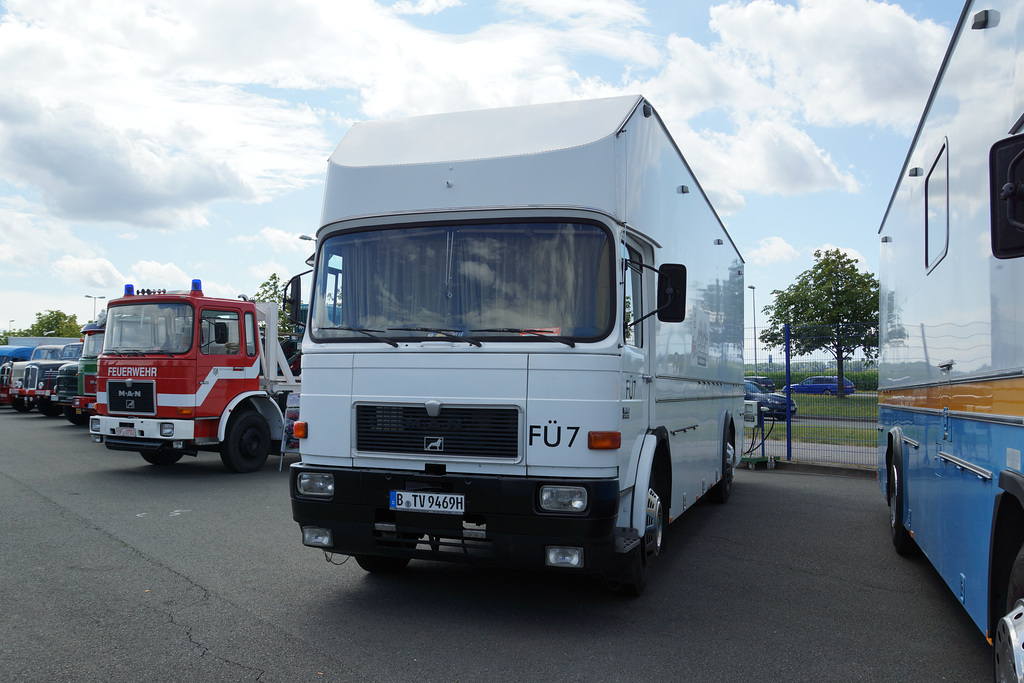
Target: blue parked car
x,y
822,385
775,404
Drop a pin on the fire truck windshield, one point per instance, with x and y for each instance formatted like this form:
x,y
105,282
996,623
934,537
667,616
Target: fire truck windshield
x,y
149,328
520,281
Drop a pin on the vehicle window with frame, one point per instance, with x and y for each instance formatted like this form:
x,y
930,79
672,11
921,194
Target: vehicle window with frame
x,y
936,241
633,304
218,333
250,334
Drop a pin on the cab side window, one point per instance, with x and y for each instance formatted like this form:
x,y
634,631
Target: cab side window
x,y
632,296
218,332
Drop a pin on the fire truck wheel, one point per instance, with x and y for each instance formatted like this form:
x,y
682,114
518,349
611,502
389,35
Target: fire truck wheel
x,y
49,408
377,564
75,417
248,443
20,405
161,458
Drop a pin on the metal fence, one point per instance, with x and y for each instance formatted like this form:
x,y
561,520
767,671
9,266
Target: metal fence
x,y
829,420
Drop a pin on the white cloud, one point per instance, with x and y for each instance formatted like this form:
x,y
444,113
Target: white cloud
x,y
423,6
88,272
277,239
156,275
840,63
773,250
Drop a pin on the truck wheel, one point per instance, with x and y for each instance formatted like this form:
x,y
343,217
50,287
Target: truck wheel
x,y
161,458
901,539
75,417
650,547
248,443
721,491
20,405
1006,645
379,564
49,408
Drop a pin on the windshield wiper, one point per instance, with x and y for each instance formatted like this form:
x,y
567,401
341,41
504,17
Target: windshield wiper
x,y
128,352
368,333
447,334
523,330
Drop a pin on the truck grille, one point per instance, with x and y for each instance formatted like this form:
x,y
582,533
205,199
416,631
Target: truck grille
x,y
138,399
463,432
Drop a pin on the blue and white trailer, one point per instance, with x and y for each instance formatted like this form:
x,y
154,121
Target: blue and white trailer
x,y
951,372
524,345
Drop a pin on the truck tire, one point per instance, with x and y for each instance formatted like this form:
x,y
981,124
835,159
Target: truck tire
x,y
75,417
721,491
49,408
247,445
649,548
161,458
1005,655
901,539
380,564
20,405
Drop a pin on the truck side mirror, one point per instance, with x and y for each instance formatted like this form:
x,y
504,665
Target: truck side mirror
x,y
1006,197
672,293
292,302
220,333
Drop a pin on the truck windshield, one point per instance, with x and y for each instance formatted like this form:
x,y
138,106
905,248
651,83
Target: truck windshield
x,y
517,281
93,345
149,328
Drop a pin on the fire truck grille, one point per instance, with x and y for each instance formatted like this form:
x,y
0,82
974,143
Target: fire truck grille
x,y
30,377
137,399
462,432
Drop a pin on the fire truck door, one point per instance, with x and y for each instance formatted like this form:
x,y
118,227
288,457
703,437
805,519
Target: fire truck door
x,y
221,366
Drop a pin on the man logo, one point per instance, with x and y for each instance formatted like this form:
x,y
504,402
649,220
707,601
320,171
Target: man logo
x,y
432,444
130,405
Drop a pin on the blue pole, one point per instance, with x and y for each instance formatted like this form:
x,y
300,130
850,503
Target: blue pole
x,y
789,417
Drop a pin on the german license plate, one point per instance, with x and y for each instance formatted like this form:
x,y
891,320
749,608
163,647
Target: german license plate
x,y
124,431
418,501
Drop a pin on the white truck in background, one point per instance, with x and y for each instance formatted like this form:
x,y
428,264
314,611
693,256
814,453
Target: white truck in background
x,y
524,343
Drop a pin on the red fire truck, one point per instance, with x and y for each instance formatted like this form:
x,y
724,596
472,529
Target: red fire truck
x,y
181,372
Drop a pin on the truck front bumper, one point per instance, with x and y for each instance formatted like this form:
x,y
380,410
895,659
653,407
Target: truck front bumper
x,y
502,524
143,434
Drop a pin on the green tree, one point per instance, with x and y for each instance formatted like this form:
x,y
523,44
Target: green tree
x,y
832,306
53,324
272,291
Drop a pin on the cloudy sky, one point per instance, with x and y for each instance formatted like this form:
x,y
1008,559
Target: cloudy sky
x,y
156,141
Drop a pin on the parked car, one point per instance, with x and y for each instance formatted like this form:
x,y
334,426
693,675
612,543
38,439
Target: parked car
x,y
774,403
821,385
766,383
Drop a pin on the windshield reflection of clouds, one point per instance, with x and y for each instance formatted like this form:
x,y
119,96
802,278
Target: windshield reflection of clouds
x,y
537,276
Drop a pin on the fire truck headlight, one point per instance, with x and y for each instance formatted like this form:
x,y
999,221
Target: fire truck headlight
x,y
166,429
563,498
317,484
94,424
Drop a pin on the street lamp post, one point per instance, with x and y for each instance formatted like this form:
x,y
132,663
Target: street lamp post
x,y
753,317
90,296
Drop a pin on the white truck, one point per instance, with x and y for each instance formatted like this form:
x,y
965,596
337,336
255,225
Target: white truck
x,y
524,343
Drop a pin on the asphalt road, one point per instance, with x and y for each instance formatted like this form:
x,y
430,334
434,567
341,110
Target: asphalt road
x,y
115,570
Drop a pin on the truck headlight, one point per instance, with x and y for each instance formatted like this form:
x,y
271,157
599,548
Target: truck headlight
x,y
319,484
563,498
166,429
94,424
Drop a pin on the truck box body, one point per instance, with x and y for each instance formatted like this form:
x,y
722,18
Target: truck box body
x,y
468,333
